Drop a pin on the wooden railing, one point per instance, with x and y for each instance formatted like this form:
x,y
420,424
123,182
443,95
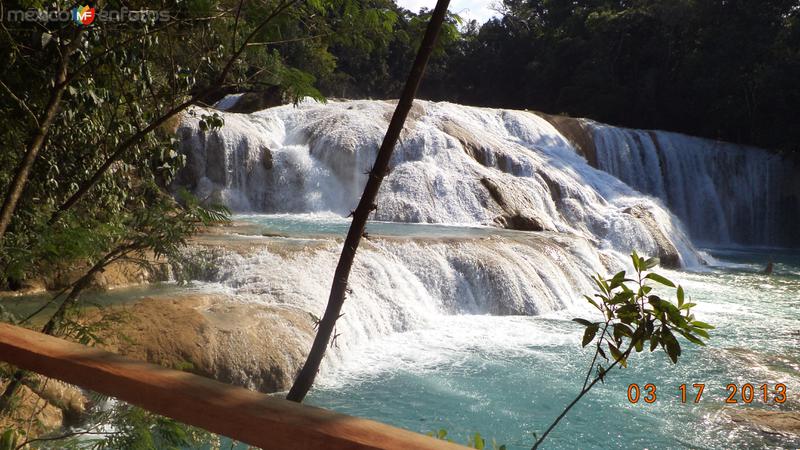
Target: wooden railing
x,y
250,417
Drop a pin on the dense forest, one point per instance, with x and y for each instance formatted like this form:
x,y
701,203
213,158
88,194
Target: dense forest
x,y
719,69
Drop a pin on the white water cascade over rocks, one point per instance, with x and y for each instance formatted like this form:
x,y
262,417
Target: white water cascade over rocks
x,y
453,165
725,193
401,284
484,211
459,176
488,227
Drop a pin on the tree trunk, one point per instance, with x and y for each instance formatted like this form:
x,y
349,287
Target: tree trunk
x,y
366,205
37,141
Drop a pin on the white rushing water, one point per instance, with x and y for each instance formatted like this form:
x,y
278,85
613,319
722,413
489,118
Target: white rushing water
x,y
453,165
401,284
451,321
725,193
457,166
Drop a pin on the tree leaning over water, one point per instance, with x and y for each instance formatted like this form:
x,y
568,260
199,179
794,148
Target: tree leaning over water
x,y
366,205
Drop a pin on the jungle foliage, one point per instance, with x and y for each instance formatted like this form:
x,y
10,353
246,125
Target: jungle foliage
x,y
89,117
722,69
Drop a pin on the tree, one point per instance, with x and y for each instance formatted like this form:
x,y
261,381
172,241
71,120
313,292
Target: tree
x,y
634,317
366,205
104,132
722,70
42,124
123,86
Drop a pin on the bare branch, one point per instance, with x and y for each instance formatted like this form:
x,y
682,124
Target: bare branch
x,y
22,103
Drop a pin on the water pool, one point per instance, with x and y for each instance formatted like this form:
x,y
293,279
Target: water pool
x,y
507,377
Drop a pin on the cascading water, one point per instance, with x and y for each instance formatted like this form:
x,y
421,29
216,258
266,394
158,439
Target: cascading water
x,y
454,164
459,166
452,321
725,193
400,284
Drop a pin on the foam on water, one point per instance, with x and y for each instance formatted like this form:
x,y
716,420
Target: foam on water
x,y
471,323
507,377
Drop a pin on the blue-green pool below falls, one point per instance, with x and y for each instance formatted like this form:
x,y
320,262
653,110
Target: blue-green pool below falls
x,y
418,354
508,376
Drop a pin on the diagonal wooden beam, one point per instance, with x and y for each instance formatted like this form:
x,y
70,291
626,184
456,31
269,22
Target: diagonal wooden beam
x,y
247,416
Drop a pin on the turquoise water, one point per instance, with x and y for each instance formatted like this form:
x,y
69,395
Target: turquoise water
x,y
507,377
316,225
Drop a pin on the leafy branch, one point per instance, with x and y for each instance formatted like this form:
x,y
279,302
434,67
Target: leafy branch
x,y
634,316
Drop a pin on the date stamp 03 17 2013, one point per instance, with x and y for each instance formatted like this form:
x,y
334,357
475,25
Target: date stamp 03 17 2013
x,y
693,393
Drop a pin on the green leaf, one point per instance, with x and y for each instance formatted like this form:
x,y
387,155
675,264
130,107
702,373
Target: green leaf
x,y
701,332
649,263
594,303
692,338
617,280
601,283
622,330
671,345
621,297
618,355
635,259
688,306
654,341
699,324
589,334
626,288
680,295
317,5
659,279
583,322
672,311
629,311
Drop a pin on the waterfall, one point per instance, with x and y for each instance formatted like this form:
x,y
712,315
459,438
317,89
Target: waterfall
x,y
453,165
403,284
724,193
483,211
456,169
